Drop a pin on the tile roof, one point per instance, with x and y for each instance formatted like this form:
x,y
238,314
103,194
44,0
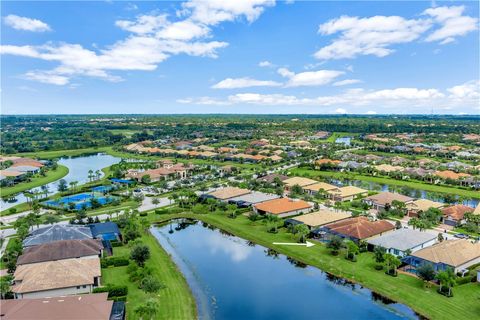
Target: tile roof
x,y
320,186
271,177
60,250
282,205
57,232
383,198
82,307
360,227
302,182
347,191
457,212
56,274
228,192
424,205
451,252
321,217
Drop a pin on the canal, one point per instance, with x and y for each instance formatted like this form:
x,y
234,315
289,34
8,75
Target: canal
x,y
232,278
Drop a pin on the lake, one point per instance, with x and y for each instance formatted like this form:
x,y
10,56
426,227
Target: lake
x,y
78,171
344,140
232,278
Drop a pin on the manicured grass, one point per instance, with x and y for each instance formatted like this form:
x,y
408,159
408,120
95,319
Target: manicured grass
x,y
62,153
19,208
175,300
404,288
411,184
51,175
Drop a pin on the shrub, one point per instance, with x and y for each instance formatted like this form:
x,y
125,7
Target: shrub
x,y
113,290
150,285
116,244
161,211
464,280
378,266
122,298
143,214
114,261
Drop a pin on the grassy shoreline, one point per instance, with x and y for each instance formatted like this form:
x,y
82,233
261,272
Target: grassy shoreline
x,y
176,300
51,176
411,184
63,153
403,289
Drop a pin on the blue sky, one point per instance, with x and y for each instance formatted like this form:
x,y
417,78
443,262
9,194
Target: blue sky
x,y
257,56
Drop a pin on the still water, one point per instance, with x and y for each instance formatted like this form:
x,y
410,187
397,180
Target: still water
x,y
232,278
78,171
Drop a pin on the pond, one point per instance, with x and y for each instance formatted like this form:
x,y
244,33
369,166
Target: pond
x,y
405,190
232,278
344,140
78,171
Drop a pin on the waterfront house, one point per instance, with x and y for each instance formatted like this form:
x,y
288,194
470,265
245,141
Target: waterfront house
x,y
270,178
61,250
299,181
252,198
386,168
86,307
454,215
224,194
56,278
358,228
398,242
348,193
381,200
283,207
315,188
455,254
422,205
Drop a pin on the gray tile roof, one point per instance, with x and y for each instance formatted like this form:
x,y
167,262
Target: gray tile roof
x,y
57,232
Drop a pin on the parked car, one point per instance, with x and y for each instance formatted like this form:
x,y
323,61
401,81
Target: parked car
x,y
461,236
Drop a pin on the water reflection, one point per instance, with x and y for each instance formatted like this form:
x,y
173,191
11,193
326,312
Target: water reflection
x,y
236,250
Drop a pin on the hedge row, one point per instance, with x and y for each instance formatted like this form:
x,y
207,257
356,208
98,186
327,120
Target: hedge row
x,y
113,290
114,261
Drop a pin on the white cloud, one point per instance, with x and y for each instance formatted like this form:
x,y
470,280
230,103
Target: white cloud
x,y
26,24
346,82
468,90
371,112
265,64
154,39
368,36
376,35
230,83
453,23
340,110
309,78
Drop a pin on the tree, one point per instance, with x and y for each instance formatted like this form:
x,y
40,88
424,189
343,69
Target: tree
x,y
147,310
440,237
446,279
155,201
62,185
335,244
391,263
302,231
272,223
398,225
140,253
379,253
150,284
352,250
146,179
51,219
426,272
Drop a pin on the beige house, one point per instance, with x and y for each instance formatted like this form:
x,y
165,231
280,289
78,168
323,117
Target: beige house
x,y
283,207
422,205
319,218
56,278
224,194
300,181
315,188
347,193
382,199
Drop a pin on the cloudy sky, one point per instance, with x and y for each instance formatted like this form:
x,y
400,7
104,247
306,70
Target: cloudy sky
x,y
252,56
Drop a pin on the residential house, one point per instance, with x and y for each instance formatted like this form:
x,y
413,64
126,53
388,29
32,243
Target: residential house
x,y
451,175
454,215
317,219
252,198
227,193
86,307
422,205
57,232
61,250
381,200
455,254
270,178
347,193
315,188
358,228
386,168
283,207
56,278
401,241
300,181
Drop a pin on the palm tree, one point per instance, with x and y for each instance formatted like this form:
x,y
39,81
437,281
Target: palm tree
x,y
302,231
352,250
392,263
98,174
90,175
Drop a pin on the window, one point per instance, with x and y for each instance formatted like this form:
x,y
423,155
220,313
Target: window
x,y
78,287
84,286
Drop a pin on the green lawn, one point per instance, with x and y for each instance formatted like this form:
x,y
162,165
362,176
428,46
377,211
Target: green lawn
x,y
412,184
404,288
62,153
175,300
50,176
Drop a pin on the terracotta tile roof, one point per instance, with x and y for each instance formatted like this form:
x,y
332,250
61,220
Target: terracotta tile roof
x,y
60,250
56,274
282,205
323,161
229,192
456,212
448,174
9,173
319,186
477,210
321,217
424,205
360,227
451,252
347,191
388,168
86,307
387,197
